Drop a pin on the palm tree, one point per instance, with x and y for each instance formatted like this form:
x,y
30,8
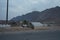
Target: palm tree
x,y
25,22
31,26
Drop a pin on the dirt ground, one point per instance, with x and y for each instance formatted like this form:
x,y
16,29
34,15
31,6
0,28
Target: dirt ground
x,y
13,29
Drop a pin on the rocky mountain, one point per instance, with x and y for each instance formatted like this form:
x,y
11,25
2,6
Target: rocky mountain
x,y
49,15
32,16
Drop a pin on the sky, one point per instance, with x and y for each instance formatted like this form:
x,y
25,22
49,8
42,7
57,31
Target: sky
x,y
22,7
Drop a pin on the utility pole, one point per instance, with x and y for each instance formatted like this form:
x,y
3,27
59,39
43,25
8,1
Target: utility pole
x,y
7,12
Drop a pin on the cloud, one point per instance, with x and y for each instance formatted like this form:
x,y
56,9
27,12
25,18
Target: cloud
x,y
20,7
33,1
38,1
44,1
2,9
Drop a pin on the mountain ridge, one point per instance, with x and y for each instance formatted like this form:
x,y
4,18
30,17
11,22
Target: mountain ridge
x,y
52,14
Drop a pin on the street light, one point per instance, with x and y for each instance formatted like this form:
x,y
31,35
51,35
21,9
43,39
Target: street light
x,y
7,12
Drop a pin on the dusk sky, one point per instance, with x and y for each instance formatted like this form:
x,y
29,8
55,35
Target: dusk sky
x,y
21,7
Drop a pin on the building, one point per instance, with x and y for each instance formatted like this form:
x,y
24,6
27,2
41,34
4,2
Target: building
x,y
51,23
3,23
37,24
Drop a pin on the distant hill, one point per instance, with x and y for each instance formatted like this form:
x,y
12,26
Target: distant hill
x,y
32,16
49,15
